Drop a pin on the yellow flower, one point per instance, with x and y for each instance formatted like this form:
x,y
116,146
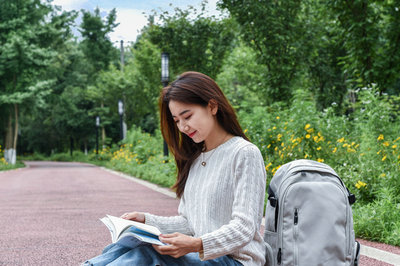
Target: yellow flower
x,y
269,146
279,136
245,131
315,138
278,117
334,150
319,148
380,137
311,130
267,166
384,158
394,146
320,160
282,144
308,136
341,140
386,144
360,184
383,175
274,128
307,126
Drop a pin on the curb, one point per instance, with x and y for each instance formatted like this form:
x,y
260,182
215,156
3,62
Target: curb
x,y
380,255
145,183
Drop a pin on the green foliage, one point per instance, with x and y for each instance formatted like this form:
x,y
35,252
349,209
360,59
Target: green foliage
x,y
194,42
96,45
371,41
380,219
277,33
241,78
143,72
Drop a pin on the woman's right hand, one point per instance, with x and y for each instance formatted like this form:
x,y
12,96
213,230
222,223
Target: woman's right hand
x,y
134,216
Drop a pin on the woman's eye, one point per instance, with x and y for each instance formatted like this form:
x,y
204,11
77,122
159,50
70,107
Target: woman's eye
x,y
188,117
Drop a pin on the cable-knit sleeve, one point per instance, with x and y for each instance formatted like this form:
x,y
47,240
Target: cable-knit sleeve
x,y
247,209
171,224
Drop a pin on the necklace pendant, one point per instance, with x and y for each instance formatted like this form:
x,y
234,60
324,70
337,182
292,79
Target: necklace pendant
x,y
203,163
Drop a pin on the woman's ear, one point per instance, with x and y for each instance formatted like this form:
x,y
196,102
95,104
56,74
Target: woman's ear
x,y
213,105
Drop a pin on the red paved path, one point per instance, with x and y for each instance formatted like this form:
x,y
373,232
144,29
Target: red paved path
x,y
50,212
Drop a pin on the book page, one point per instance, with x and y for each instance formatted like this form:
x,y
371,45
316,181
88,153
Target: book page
x,y
110,227
121,224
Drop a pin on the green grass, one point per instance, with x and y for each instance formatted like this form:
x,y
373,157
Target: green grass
x,y
5,167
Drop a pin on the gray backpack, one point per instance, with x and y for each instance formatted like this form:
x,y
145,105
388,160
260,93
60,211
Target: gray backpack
x,y
308,218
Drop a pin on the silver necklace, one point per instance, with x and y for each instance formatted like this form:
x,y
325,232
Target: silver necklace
x,y
204,161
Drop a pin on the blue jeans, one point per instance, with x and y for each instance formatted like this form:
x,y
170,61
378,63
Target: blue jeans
x,y
115,254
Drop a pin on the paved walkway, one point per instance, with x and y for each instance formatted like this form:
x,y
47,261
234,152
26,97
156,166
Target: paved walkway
x,y
50,213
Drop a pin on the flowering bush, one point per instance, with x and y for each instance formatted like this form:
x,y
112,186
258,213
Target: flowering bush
x,y
141,155
363,152
362,147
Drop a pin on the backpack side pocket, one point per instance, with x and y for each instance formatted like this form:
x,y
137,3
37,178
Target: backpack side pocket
x,y
269,257
271,241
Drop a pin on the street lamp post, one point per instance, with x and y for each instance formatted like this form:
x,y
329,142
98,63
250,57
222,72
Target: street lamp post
x,y
97,134
121,118
164,80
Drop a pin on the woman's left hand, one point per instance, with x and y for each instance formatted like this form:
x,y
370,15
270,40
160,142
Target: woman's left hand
x,y
179,245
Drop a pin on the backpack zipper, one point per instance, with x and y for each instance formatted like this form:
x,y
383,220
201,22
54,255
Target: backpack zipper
x,y
295,236
279,256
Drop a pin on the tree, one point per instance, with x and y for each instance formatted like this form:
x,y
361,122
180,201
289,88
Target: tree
x,y
99,52
278,34
96,45
195,42
371,38
29,31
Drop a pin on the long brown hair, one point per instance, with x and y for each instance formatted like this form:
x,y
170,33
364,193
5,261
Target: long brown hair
x,y
192,88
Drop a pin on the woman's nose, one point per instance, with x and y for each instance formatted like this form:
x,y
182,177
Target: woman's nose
x,y
183,127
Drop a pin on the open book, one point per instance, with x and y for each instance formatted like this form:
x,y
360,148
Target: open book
x,y
130,233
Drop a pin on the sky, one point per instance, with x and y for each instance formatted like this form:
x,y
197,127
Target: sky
x,y
131,14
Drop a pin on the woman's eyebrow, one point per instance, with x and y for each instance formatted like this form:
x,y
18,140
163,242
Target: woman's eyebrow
x,y
182,113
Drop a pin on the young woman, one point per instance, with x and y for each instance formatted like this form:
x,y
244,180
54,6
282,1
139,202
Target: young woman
x,y
221,184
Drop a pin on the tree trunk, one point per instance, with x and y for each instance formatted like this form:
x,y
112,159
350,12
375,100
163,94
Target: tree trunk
x,y
16,126
10,151
103,132
85,145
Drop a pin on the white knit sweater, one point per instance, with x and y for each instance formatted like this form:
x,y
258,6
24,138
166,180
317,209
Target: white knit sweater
x,y
223,203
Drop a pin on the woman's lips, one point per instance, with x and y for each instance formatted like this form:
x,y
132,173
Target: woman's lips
x,y
192,134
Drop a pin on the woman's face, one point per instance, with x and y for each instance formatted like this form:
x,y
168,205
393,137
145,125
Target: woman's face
x,y
194,120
